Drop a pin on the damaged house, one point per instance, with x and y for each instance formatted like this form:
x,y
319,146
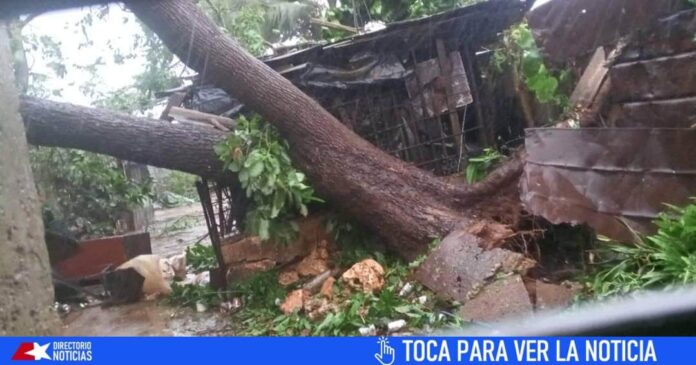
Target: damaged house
x,y
635,109
420,91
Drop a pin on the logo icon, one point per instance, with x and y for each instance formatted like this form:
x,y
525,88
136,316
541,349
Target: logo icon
x,y
31,351
385,356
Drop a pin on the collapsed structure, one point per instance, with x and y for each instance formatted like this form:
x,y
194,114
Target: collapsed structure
x,y
416,90
634,104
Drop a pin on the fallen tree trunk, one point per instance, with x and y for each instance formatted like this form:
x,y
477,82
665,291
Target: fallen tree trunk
x,y
404,204
185,146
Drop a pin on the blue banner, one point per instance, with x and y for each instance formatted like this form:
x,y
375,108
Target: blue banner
x,y
347,350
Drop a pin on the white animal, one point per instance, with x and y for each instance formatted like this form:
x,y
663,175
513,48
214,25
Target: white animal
x,y
149,267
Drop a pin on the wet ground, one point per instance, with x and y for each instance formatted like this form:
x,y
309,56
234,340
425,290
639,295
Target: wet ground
x,y
150,318
172,231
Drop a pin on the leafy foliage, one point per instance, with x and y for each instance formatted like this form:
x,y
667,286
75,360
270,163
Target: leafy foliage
x,y
278,191
355,241
665,258
84,191
257,23
391,10
157,75
480,166
201,257
354,310
190,294
180,184
521,52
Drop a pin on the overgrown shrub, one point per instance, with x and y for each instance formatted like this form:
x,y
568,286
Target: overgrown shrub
x,y
520,52
84,192
480,166
278,191
663,259
201,257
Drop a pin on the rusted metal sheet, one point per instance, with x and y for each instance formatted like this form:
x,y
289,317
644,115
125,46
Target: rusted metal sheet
x,y
93,256
672,113
475,25
658,78
608,178
672,35
566,29
458,267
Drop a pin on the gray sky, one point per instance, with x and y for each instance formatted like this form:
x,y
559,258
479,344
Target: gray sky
x,y
118,28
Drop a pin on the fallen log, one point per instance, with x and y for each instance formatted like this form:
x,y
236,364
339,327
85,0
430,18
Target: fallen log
x,y
405,205
184,146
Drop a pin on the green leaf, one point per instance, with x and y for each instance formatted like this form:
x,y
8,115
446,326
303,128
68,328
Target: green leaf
x,y
263,229
256,169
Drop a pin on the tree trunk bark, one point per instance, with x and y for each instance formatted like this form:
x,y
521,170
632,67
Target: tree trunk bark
x,y
405,205
25,275
185,146
189,148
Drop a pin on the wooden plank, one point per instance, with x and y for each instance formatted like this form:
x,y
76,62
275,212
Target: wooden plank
x,y
471,68
446,74
195,116
591,80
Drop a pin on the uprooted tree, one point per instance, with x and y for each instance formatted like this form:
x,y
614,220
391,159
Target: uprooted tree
x,y
405,205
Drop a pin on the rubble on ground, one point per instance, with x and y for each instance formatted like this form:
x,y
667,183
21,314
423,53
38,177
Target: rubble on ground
x,y
366,276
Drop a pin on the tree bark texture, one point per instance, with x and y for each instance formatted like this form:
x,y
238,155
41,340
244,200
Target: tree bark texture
x,y
184,146
26,290
189,148
405,205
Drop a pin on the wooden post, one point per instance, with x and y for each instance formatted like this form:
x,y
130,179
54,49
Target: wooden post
x,y
446,74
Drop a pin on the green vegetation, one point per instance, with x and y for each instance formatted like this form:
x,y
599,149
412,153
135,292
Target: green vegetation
x,y
392,10
176,188
256,24
200,258
352,310
188,295
663,259
346,312
84,192
278,191
480,166
520,52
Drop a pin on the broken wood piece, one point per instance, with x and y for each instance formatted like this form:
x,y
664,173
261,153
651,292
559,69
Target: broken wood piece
x,y
174,100
315,284
188,115
332,25
446,72
591,80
